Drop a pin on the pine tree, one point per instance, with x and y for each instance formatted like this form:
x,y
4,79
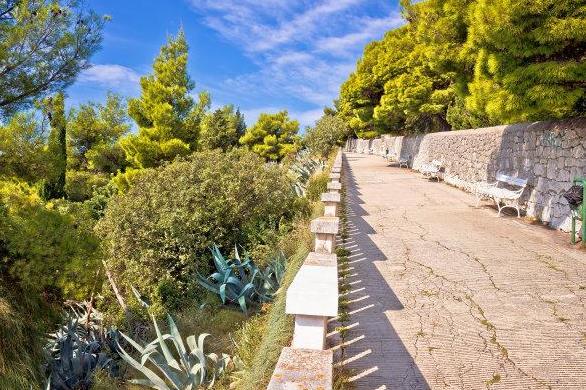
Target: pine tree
x,y
220,129
54,108
273,136
529,59
166,114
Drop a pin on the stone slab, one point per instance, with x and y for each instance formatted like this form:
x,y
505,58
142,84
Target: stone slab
x,y
314,291
331,197
302,369
325,225
334,185
325,259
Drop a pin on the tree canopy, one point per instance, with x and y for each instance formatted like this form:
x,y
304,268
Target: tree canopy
x,y
273,136
461,64
167,116
44,44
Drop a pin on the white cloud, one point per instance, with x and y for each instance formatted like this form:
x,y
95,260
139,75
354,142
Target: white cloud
x,y
110,75
303,49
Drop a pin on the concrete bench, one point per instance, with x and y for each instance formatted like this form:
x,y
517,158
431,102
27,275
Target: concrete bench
x,y
334,186
303,369
432,169
502,196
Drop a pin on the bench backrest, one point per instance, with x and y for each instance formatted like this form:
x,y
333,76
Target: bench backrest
x,y
514,181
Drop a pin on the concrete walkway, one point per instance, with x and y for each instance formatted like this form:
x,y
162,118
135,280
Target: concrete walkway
x,y
448,296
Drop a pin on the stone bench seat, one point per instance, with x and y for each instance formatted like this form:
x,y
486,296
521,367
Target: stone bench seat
x,y
302,369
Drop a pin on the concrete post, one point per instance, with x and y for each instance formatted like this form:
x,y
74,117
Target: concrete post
x,y
330,201
325,229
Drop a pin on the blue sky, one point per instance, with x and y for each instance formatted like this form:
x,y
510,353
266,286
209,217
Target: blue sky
x,y
260,55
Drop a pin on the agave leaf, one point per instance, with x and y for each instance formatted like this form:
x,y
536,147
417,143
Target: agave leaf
x,y
133,343
171,373
139,297
242,302
166,352
178,341
157,382
219,260
207,285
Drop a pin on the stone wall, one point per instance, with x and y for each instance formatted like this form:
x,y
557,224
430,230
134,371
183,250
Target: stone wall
x,y
548,154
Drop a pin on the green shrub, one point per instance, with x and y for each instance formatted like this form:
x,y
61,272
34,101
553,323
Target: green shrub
x,y
159,233
80,185
317,185
48,247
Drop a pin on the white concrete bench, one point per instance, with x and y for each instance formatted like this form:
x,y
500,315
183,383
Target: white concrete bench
x,y
432,169
502,196
404,161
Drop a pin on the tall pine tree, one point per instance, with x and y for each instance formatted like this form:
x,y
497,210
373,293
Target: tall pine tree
x,y
166,114
54,108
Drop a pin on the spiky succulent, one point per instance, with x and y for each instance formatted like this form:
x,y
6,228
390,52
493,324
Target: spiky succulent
x,y
78,348
187,368
241,282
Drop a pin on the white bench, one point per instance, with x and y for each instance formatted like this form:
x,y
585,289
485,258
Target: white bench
x,y
404,161
431,170
503,197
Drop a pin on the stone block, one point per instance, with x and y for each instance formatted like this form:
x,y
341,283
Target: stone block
x,y
302,369
330,201
325,225
334,186
325,259
336,169
335,177
310,332
314,291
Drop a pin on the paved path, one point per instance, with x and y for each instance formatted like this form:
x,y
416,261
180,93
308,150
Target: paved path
x,y
448,296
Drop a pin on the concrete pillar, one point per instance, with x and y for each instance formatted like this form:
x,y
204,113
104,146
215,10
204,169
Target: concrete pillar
x,y
325,229
330,201
334,186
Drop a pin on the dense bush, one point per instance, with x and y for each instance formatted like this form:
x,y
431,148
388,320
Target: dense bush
x,y
330,131
47,248
80,185
159,233
317,185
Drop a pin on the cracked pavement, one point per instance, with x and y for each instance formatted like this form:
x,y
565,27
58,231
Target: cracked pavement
x,y
448,296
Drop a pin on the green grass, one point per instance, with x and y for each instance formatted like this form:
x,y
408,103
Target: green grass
x,y
261,340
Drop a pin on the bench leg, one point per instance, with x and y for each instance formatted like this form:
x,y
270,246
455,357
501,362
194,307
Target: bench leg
x,y
573,241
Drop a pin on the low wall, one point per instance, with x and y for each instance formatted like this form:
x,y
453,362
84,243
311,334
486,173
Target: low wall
x,y
549,154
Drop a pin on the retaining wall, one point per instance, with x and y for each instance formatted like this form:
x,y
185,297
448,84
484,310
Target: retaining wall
x,y
549,154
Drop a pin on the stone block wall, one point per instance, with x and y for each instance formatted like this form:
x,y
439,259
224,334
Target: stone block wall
x,y
549,154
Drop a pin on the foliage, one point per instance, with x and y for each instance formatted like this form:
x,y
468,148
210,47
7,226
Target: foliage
x,y
529,59
166,114
273,136
24,320
47,248
186,368
329,131
261,339
241,281
462,64
159,232
80,185
222,129
43,46
79,348
317,185
54,108
22,143
302,169
92,135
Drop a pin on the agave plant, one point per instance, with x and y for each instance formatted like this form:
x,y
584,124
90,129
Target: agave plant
x,y
240,281
302,169
78,348
186,369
